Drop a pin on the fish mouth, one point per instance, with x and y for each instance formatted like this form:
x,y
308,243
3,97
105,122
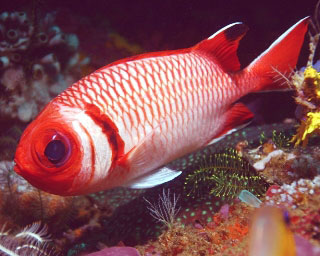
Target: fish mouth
x,y
16,167
25,174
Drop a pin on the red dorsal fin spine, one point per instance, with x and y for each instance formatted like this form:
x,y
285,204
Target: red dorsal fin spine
x,y
279,59
223,46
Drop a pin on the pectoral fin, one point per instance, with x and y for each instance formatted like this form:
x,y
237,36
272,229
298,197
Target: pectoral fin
x,y
153,179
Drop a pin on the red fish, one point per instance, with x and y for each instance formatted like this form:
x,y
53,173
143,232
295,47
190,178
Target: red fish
x,y
119,125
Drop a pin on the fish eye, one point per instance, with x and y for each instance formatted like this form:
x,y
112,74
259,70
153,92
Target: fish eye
x,y
286,217
55,151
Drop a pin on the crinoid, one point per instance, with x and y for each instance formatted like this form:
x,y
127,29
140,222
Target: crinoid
x,y
279,138
32,240
224,175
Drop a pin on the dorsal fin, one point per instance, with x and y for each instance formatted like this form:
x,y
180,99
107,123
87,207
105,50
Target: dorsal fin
x,y
148,55
223,45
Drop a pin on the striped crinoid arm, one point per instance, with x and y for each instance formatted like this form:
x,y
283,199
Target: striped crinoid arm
x,y
31,240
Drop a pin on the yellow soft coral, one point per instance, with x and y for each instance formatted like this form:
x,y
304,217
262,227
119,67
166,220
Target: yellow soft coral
x,y
311,72
308,97
307,128
311,83
307,87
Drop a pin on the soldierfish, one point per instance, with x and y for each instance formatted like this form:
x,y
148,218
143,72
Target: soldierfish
x,y
121,124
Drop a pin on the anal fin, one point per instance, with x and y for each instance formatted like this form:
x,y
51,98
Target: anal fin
x,y
237,117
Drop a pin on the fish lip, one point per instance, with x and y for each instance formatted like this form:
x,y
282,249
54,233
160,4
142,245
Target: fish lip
x,y
17,167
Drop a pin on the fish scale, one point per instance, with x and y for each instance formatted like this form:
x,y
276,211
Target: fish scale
x,y
151,112
145,117
121,125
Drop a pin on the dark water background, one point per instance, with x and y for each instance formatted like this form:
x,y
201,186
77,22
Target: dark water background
x,y
181,23
173,24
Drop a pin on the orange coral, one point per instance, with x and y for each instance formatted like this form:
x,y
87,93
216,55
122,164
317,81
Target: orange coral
x,y
237,231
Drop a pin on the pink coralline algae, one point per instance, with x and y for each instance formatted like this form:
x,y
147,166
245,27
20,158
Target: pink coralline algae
x,y
116,251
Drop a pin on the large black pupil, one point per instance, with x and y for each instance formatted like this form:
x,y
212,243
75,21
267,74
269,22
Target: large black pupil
x,y
55,151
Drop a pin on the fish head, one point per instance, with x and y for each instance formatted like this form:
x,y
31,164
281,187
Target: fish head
x,y
270,233
58,152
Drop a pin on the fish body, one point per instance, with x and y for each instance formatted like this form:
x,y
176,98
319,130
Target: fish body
x,y
270,234
120,124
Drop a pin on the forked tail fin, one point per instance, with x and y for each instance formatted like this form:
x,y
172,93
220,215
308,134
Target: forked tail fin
x,y
280,58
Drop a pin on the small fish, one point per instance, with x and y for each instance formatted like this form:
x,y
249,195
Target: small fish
x,y
270,234
119,125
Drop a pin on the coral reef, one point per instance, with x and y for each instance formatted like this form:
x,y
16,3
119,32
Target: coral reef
x,y
284,165
301,199
217,237
295,188
9,141
22,204
37,61
205,225
166,210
